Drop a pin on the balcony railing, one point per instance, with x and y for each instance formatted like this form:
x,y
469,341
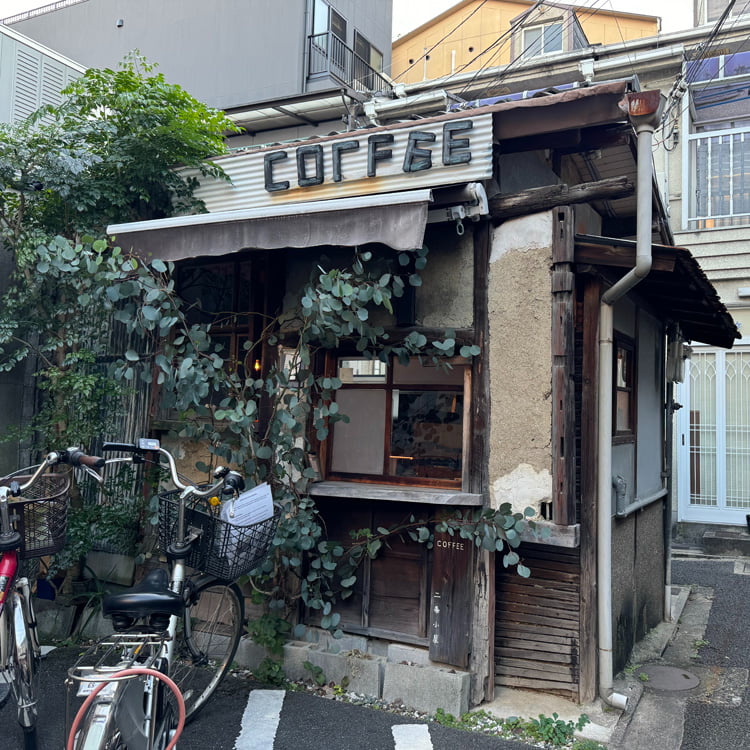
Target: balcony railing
x,y
24,16
328,55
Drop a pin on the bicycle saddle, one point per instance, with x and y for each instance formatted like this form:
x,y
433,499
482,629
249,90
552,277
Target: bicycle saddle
x,y
149,597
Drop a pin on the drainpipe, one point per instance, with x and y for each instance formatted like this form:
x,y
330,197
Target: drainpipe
x,y
644,109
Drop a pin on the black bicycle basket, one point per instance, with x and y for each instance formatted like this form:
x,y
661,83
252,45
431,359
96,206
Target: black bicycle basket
x,y
223,549
40,515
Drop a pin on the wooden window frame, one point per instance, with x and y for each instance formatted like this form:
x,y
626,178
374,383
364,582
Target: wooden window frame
x,y
326,449
622,342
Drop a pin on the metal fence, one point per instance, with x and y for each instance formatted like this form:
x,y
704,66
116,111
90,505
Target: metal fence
x,y
328,55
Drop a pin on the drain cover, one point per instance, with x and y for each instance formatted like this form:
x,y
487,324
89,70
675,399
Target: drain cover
x,y
667,678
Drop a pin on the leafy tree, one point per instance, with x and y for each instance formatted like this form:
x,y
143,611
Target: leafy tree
x,y
107,154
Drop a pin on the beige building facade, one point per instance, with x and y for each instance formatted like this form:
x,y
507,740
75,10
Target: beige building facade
x,y
474,35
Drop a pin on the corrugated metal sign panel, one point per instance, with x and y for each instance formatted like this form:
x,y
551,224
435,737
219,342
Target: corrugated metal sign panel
x,y
422,154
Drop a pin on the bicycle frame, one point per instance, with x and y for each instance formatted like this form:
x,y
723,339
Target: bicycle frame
x,y
18,634
103,703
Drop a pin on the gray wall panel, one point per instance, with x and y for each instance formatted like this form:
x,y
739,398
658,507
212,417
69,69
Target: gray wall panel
x,y
226,53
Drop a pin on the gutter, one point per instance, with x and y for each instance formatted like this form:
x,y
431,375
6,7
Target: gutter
x,y
644,110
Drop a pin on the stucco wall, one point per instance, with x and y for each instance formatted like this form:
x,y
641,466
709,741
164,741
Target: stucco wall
x,y
520,361
445,299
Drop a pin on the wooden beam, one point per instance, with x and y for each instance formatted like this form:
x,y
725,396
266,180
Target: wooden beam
x,y
544,198
621,256
589,322
563,367
483,610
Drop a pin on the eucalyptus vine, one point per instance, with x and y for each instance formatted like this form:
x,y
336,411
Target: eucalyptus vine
x,y
76,294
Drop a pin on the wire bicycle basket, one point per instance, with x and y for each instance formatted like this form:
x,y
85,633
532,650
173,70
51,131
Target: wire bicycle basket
x,y
223,550
40,515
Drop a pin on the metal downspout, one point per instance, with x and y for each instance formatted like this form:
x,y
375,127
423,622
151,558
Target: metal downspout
x,y
645,110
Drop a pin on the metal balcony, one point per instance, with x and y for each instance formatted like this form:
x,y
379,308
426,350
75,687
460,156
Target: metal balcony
x,y
328,55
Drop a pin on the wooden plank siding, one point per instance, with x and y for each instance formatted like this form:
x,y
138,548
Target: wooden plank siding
x,y
537,626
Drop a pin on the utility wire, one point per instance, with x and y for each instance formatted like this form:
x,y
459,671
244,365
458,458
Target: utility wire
x,y
440,41
522,57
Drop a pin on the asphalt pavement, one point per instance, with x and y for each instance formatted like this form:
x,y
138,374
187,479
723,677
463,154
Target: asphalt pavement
x,y
687,685
693,694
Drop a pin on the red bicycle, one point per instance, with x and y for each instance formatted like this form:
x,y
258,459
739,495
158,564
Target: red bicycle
x,y
33,515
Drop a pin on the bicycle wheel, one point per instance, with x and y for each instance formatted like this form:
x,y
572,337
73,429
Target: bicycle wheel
x,y
206,640
24,663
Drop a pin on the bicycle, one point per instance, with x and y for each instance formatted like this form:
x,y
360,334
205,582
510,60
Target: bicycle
x,y
184,625
33,515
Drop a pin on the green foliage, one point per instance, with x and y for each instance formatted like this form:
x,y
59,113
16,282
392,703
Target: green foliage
x,y
553,732
271,672
587,745
104,155
108,516
271,631
316,672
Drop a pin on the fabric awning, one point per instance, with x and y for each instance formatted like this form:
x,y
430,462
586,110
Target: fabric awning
x,y
397,220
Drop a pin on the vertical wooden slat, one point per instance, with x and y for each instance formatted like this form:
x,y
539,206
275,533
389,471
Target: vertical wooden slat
x,y
563,368
483,622
587,458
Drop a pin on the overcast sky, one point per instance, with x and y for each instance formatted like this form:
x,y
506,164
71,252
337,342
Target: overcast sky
x,y
408,14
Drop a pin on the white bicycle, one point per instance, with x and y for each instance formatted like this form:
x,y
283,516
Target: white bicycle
x,y
180,626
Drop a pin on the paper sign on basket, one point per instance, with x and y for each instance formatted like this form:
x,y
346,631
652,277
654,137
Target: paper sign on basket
x,y
252,506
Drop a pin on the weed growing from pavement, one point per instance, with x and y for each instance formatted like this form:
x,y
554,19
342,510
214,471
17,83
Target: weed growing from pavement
x,y
544,731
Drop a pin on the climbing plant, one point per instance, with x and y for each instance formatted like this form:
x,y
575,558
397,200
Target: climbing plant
x,y
74,288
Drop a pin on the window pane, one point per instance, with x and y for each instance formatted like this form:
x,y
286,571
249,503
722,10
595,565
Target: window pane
x,y
426,375
532,41
361,371
358,444
427,434
623,422
624,365
320,17
338,25
553,37
209,290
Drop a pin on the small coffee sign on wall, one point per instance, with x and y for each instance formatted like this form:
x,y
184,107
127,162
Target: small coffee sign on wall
x,y
425,153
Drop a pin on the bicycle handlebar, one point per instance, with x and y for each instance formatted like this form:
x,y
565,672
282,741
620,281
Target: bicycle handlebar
x,y
226,479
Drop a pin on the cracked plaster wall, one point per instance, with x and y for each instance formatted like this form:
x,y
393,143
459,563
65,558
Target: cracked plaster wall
x,y
520,309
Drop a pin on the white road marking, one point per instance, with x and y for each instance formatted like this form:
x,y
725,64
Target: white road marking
x,y
260,720
411,737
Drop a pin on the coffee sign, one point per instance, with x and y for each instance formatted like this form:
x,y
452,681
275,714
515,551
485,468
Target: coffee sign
x,y
423,153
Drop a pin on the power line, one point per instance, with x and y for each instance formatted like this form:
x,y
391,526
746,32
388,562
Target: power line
x,y
439,42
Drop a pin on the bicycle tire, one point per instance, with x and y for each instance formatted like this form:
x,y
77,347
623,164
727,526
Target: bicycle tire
x,y
206,640
25,670
30,739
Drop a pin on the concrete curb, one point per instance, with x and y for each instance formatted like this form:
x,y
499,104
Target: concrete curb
x,y
650,648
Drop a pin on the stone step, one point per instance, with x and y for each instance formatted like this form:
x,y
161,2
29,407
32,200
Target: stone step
x,y
730,542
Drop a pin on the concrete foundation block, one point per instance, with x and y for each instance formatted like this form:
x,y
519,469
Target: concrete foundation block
x,y
398,653
296,653
427,688
249,654
360,672
93,624
55,623
327,642
111,566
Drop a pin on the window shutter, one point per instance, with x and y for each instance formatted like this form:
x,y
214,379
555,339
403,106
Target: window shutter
x,y
53,81
26,88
